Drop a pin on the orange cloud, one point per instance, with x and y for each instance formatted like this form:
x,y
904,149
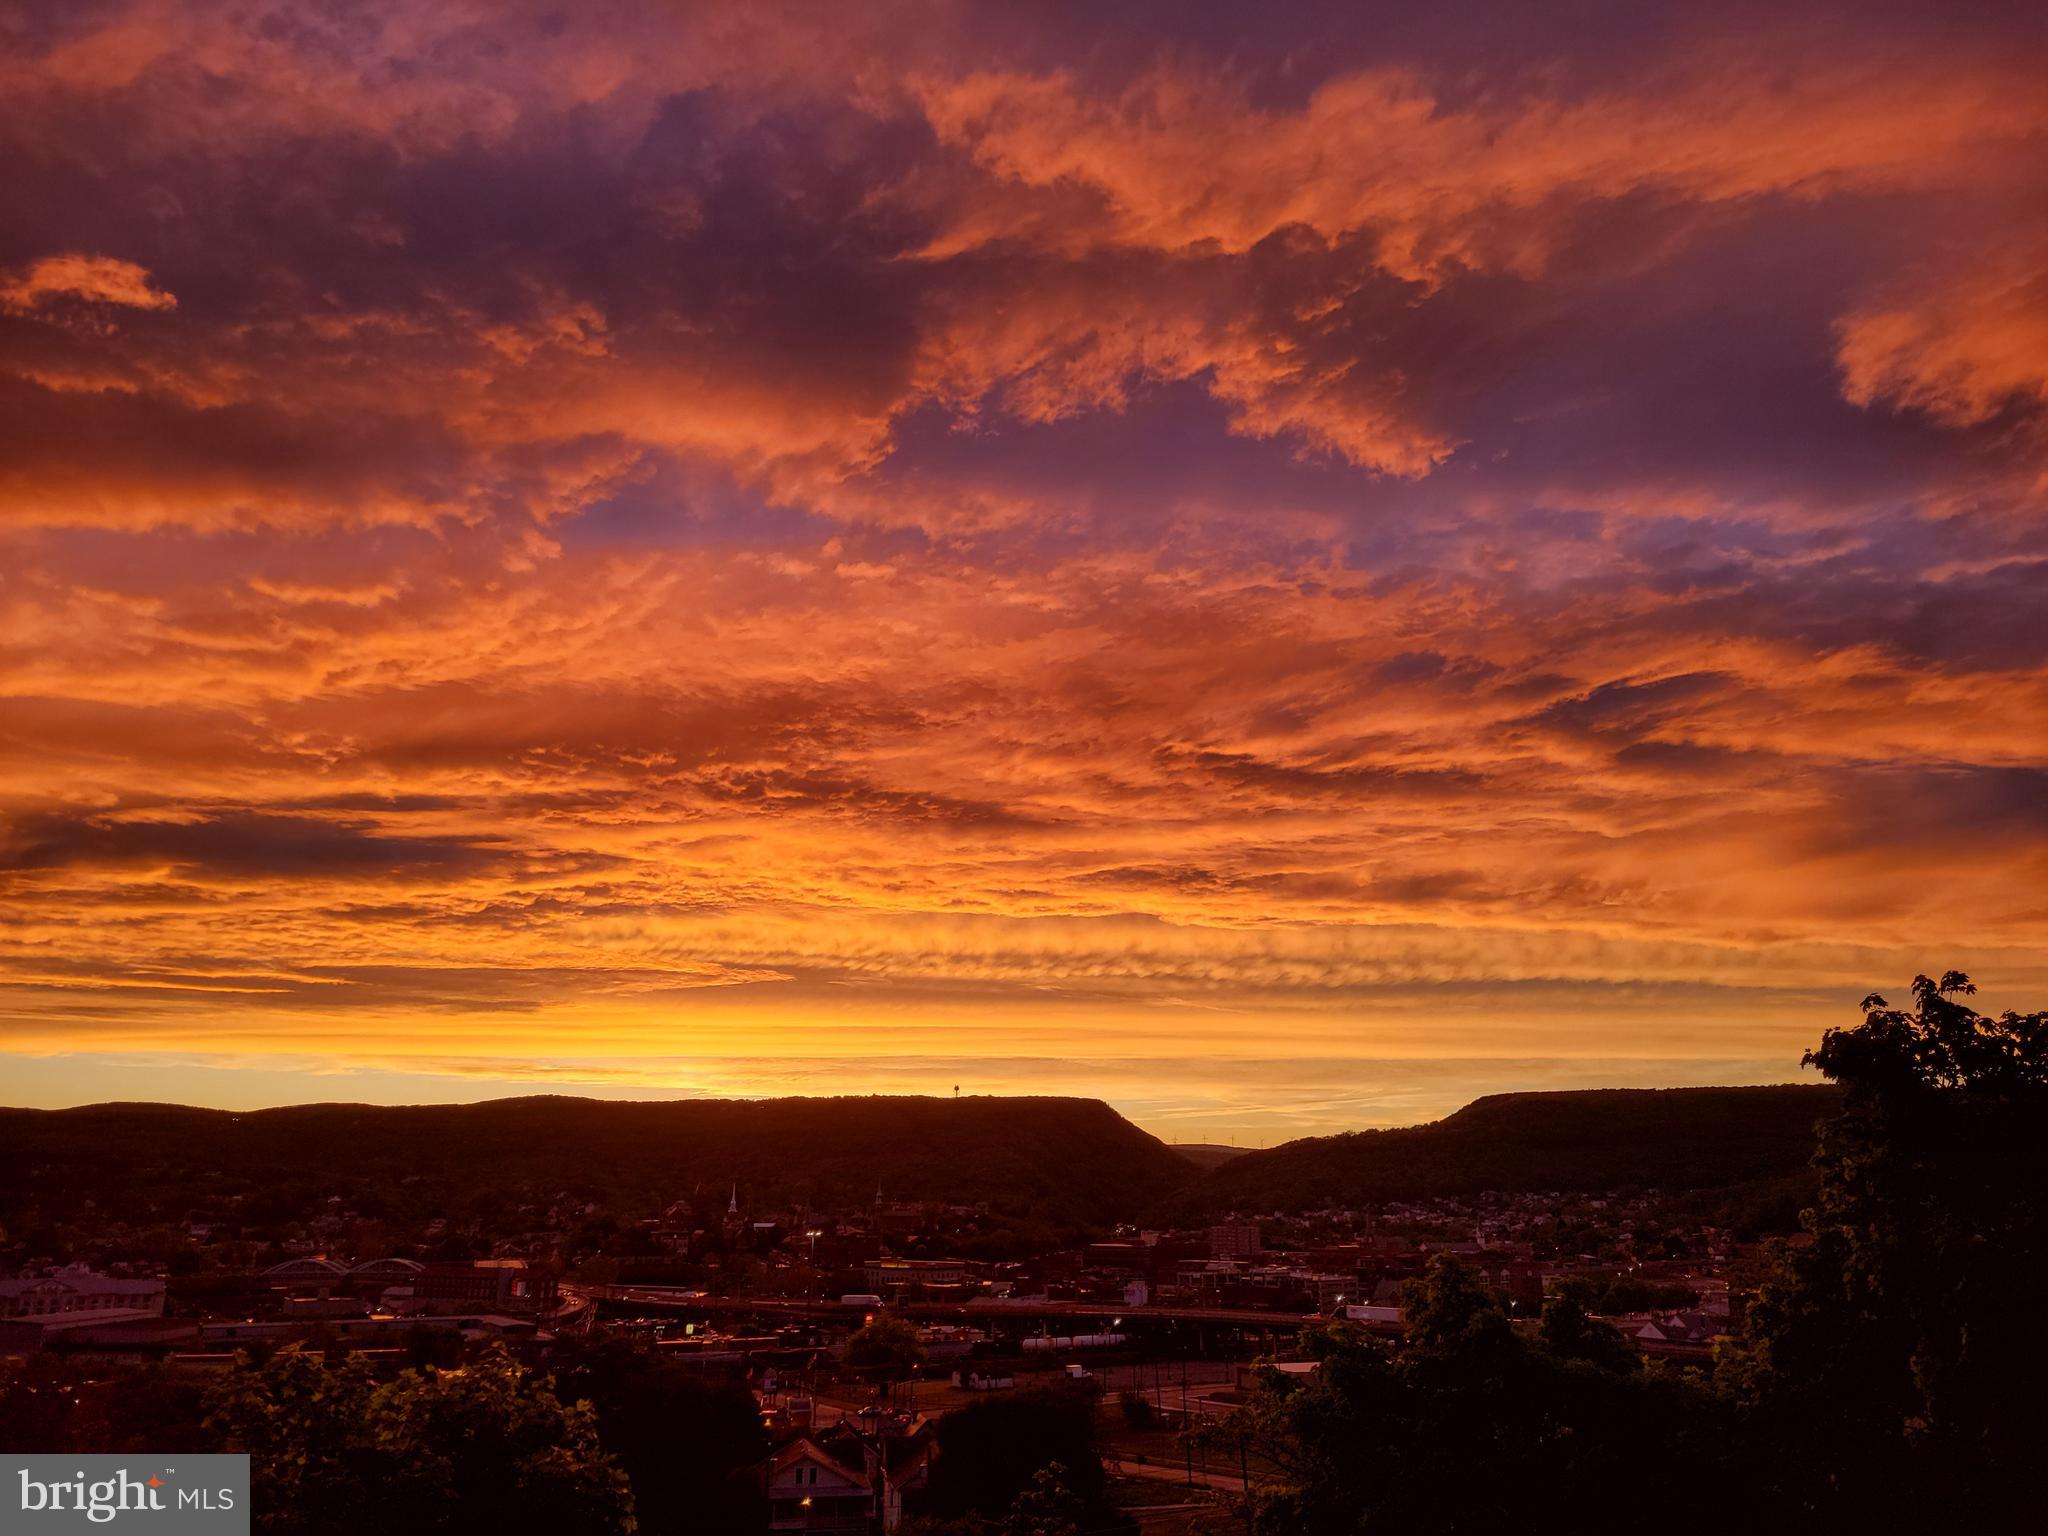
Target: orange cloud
x,y
1960,354
94,279
712,533
1181,159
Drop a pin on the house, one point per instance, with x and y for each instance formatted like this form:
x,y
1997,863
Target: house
x,y
1693,1327
853,1478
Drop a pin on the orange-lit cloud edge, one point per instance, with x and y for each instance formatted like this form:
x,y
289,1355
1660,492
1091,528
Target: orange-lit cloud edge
x,y
1285,578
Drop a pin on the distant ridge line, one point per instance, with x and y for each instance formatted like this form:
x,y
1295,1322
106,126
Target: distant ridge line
x,y
1074,1160
1567,1140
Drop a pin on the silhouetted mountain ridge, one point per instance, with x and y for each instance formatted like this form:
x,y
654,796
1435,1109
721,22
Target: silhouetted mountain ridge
x,y
1066,1162
1066,1159
1671,1139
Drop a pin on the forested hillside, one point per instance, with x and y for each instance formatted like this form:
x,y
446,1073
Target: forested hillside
x,y
1065,1160
1670,1139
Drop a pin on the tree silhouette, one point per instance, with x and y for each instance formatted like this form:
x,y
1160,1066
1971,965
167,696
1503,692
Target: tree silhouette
x,y
684,1438
1048,1507
992,1451
483,1447
1887,1376
885,1350
1896,1348
1470,1425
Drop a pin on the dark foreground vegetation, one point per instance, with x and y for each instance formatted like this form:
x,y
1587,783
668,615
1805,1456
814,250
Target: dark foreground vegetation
x,y
1886,1378
608,1439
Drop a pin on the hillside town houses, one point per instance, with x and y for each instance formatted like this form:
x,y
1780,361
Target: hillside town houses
x,y
772,1293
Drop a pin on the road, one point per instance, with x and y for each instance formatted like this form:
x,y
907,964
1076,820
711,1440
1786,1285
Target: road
x,y
1152,1472
681,1298
1174,1386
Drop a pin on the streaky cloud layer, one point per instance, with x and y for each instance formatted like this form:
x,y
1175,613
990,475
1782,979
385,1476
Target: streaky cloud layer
x,y
1285,571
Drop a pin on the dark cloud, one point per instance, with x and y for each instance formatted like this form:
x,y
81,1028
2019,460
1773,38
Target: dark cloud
x,y
246,844
1922,811
1631,705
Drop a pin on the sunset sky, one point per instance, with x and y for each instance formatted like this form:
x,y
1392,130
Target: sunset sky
x,y
1284,566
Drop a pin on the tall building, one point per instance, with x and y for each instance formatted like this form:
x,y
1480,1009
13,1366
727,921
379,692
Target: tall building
x,y
1235,1240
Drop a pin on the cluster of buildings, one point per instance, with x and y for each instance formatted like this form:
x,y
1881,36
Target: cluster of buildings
x,y
318,1283
121,1319
357,1277
982,1298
